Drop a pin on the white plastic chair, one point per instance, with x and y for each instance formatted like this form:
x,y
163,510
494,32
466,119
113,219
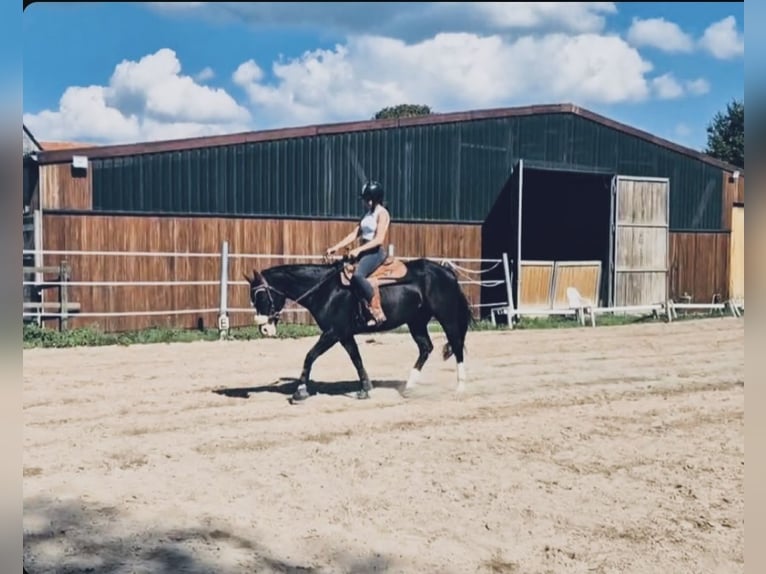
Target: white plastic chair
x,y
581,305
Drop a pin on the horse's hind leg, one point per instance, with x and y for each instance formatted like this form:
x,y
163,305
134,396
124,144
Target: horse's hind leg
x,y
456,346
455,330
419,331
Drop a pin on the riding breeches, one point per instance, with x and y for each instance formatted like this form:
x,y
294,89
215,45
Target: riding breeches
x,y
368,262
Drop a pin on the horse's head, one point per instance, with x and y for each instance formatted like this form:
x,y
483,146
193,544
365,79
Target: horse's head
x,y
267,302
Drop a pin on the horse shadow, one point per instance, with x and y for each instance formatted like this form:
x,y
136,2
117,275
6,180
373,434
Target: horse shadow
x,y
288,385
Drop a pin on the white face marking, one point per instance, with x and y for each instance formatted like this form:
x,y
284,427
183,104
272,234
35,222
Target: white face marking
x,y
260,319
268,330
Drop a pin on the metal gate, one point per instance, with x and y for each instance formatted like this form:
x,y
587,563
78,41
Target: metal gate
x,y
639,241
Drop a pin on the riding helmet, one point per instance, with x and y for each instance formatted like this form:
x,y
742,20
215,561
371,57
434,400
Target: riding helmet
x,y
372,190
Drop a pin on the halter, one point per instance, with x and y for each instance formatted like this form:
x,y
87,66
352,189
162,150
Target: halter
x,y
264,286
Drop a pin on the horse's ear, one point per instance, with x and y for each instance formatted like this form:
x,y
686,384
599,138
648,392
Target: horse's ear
x,y
249,279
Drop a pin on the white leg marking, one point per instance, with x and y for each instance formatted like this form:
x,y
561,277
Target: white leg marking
x,y
413,380
460,377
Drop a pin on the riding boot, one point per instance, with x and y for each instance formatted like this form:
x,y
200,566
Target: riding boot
x,y
376,310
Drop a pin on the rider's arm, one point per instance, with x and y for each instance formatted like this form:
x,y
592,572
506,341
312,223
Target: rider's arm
x,y
346,240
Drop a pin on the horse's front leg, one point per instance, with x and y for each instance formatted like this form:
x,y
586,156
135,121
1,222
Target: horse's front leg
x,y
349,343
326,340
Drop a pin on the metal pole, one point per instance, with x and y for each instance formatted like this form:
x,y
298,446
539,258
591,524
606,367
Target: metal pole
x,y
37,223
519,225
509,290
64,296
223,318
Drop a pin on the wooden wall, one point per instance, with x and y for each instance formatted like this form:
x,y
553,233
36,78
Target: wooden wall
x,y
63,187
737,254
699,266
733,192
94,232
536,284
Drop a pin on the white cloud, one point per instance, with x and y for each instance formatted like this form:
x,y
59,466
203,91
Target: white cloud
x,y
682,130
205,74
405,20
152,99
723,40
447,72
668,87
573,16
698,87
660,34
144,100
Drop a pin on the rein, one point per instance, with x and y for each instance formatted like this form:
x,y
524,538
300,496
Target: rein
x,y
264,286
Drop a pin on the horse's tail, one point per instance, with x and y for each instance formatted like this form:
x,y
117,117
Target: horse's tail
x,y
465,316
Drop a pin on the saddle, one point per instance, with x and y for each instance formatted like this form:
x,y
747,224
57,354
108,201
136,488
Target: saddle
x,y
390,271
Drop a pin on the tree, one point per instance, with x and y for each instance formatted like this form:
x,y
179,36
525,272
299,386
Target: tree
x,y
726,134
403,111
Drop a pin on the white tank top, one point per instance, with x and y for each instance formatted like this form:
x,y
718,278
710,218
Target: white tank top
x,y
369,224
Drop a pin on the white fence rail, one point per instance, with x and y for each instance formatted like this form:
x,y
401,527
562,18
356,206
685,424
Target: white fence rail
x,y
224,282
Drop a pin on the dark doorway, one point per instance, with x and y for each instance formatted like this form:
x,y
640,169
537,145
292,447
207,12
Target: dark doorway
x,y
566,216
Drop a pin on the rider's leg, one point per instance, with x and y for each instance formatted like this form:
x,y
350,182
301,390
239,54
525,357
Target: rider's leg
x,y
368,262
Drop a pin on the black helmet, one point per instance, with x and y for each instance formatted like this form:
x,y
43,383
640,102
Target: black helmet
x,y
372,190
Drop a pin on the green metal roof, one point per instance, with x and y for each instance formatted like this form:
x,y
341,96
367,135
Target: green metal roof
x,y
445,168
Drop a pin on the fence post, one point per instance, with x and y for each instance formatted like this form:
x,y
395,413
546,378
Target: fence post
x,y
37,223
509,290
64,295
223,317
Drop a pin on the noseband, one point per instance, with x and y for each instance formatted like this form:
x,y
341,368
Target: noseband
x,y
264,286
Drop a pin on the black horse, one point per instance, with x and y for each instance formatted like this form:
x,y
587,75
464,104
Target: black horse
x,y
427,290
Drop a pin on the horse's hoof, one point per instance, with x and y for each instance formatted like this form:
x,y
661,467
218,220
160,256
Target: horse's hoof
x,y
362,395
300,395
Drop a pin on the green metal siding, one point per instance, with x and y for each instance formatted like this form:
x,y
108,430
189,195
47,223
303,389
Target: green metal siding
x,y
441,172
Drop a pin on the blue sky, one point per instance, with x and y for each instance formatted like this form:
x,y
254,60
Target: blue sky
x,y
127,72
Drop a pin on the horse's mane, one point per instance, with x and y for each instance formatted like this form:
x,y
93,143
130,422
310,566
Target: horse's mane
x,y
300,276
300,270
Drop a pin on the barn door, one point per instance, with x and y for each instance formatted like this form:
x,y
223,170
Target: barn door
x,y
639,242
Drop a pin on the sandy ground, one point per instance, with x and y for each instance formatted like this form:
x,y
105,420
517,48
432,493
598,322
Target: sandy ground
x,y
616,449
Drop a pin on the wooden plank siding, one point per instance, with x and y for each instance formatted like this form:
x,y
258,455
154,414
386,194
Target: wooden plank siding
x,y
94,232
63,187
699,266
737,255
536,284
585,276
733,192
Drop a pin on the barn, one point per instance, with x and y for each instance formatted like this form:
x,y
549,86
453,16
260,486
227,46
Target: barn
x,y
572,197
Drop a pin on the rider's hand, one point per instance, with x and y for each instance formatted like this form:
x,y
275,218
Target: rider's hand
x,y
330,251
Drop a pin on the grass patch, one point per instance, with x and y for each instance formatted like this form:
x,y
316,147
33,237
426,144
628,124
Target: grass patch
x,y
44,337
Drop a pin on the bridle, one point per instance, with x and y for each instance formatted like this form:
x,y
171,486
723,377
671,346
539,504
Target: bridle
x,y
264,286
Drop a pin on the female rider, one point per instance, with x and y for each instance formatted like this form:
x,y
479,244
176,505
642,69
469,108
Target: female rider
x,y
372,231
